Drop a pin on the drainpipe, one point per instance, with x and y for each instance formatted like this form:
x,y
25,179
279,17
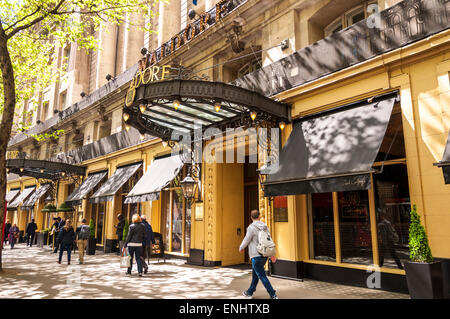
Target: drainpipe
x,y
115,53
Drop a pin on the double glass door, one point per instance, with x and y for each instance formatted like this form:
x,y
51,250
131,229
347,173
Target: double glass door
x,y
98,216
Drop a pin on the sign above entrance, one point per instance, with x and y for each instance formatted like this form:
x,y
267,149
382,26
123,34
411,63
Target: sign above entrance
x,y
192,30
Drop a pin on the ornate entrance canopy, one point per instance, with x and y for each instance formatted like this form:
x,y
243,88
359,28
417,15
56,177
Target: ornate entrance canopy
x,y
183,105
43,169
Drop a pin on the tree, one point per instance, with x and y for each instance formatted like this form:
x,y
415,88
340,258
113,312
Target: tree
x,y
419,248
30,30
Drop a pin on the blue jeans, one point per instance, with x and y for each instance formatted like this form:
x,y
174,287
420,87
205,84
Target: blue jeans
x,y
67,247
137,252
258,272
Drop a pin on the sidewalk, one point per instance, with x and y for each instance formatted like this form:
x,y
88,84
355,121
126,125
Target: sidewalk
x,y
34,273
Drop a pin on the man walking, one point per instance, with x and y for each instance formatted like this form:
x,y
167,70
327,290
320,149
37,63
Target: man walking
x,y
258,261
83,233
148,241
61,223
31,232
7,227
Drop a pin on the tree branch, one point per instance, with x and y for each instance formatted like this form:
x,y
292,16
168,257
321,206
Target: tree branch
x,y
24,18
35,21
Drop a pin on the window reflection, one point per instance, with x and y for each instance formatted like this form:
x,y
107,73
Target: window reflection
x,y
322,224
393,215
354,225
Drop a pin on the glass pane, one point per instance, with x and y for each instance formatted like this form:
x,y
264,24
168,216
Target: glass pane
x,y
165,211
187,230
172,119
323,247
177,114
101,215
393,215
177,236
354,225
355,17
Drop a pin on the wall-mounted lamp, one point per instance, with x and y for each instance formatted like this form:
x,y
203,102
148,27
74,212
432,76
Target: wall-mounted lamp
x,y
176,104
83,94
144,51
253,115
109,77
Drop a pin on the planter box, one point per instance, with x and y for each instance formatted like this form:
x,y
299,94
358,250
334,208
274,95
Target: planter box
x,y
424,280
91,246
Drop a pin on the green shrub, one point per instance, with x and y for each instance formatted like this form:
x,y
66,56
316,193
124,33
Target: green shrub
x,y
92,228
125,230
419,248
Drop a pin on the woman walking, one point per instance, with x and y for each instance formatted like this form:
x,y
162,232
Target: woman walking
x,y
135,239
66,238
13,235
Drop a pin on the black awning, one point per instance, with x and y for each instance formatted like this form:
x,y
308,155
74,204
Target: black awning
x,y
36,196
89,183
332,152
445,162
21,198
107,191
43,169
11,195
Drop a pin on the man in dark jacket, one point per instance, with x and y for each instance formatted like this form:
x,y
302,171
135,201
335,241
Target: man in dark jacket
x,y
61,223
149,240
31,232
134,242
7,227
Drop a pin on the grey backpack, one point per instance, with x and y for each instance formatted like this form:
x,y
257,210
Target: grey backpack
x,y
85,232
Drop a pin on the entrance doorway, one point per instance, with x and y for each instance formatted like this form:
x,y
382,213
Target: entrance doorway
x,y
251,200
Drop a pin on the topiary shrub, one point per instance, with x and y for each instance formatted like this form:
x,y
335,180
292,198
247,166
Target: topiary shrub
x,y
125,230
92,228
419,248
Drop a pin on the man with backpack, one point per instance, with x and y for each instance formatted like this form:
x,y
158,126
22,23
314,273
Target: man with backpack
x,y
83,233
260,247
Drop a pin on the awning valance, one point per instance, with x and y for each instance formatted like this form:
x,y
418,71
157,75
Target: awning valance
x,y
11,195
445,162
107,191
332,152
36,196
159,174
22,197
89,183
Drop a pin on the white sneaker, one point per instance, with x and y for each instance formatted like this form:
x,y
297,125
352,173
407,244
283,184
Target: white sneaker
x,y
246,295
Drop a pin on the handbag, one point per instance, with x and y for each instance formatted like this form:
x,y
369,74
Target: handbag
x,y
125,258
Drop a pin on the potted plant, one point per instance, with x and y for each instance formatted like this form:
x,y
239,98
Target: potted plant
x,y
92,242
124,236
423,275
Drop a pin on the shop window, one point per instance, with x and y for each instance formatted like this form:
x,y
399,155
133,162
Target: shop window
x,y
393,215
98,216
354,227
128,210
280,211
321,225
176,217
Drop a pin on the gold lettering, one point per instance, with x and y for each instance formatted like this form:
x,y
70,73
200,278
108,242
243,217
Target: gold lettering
x,y
187,33
164,71
155,73
153,58
204,20
150,75
219,9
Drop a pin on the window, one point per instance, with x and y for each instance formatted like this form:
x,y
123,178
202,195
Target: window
x,y
65,58
176,217
44,113
98,215
351,17
128,210
384,208
249,67
62,100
